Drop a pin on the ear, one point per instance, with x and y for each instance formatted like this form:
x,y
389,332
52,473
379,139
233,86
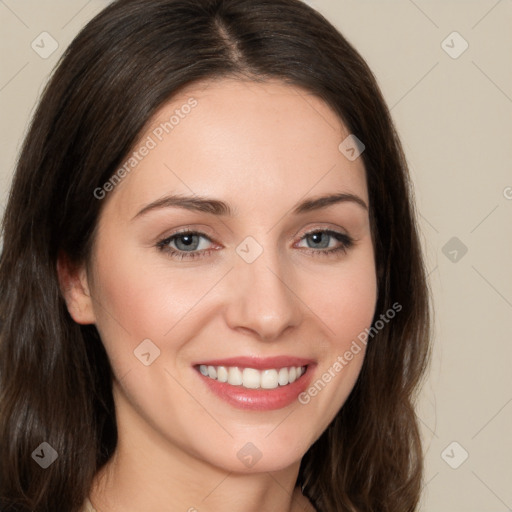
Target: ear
x,y
74,286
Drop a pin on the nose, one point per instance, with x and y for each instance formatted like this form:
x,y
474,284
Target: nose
x,y
263,299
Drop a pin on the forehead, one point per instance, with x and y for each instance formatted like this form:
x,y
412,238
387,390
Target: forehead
x,y
244,141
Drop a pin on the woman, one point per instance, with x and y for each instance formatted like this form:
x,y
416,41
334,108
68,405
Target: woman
x,y
213,294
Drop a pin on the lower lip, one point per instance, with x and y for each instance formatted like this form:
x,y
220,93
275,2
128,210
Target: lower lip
x,y
259,399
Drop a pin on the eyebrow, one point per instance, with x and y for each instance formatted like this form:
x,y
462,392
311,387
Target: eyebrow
x,y
218,207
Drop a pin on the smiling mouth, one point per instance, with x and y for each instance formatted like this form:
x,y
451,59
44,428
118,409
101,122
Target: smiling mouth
x,y
251,378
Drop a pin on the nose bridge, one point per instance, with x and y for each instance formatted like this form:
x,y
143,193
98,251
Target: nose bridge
x,y
263,300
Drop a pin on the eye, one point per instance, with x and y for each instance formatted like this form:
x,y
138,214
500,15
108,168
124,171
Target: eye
x,y
186,245
322,239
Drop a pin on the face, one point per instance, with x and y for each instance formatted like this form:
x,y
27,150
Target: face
x,y
224,314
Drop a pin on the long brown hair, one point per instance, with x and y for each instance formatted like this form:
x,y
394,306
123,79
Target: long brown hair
x,y
55,377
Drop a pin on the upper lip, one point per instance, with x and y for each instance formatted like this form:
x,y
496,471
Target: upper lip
x,y
258,363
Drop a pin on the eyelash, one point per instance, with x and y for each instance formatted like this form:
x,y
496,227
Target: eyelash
x,y
163,245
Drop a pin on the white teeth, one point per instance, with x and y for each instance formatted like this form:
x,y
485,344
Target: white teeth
x,y
234,376
222,374
283,377
269,379
251,378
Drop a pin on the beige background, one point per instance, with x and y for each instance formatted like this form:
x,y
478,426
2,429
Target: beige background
x,y
455,119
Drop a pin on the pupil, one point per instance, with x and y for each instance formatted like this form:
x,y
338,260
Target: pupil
x,y
317,239
186,241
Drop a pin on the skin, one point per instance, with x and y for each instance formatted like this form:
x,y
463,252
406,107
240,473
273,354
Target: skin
x,y
262,148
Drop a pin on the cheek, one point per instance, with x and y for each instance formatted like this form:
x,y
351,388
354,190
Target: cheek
x,y
135,301
345,300
344,297
352,305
